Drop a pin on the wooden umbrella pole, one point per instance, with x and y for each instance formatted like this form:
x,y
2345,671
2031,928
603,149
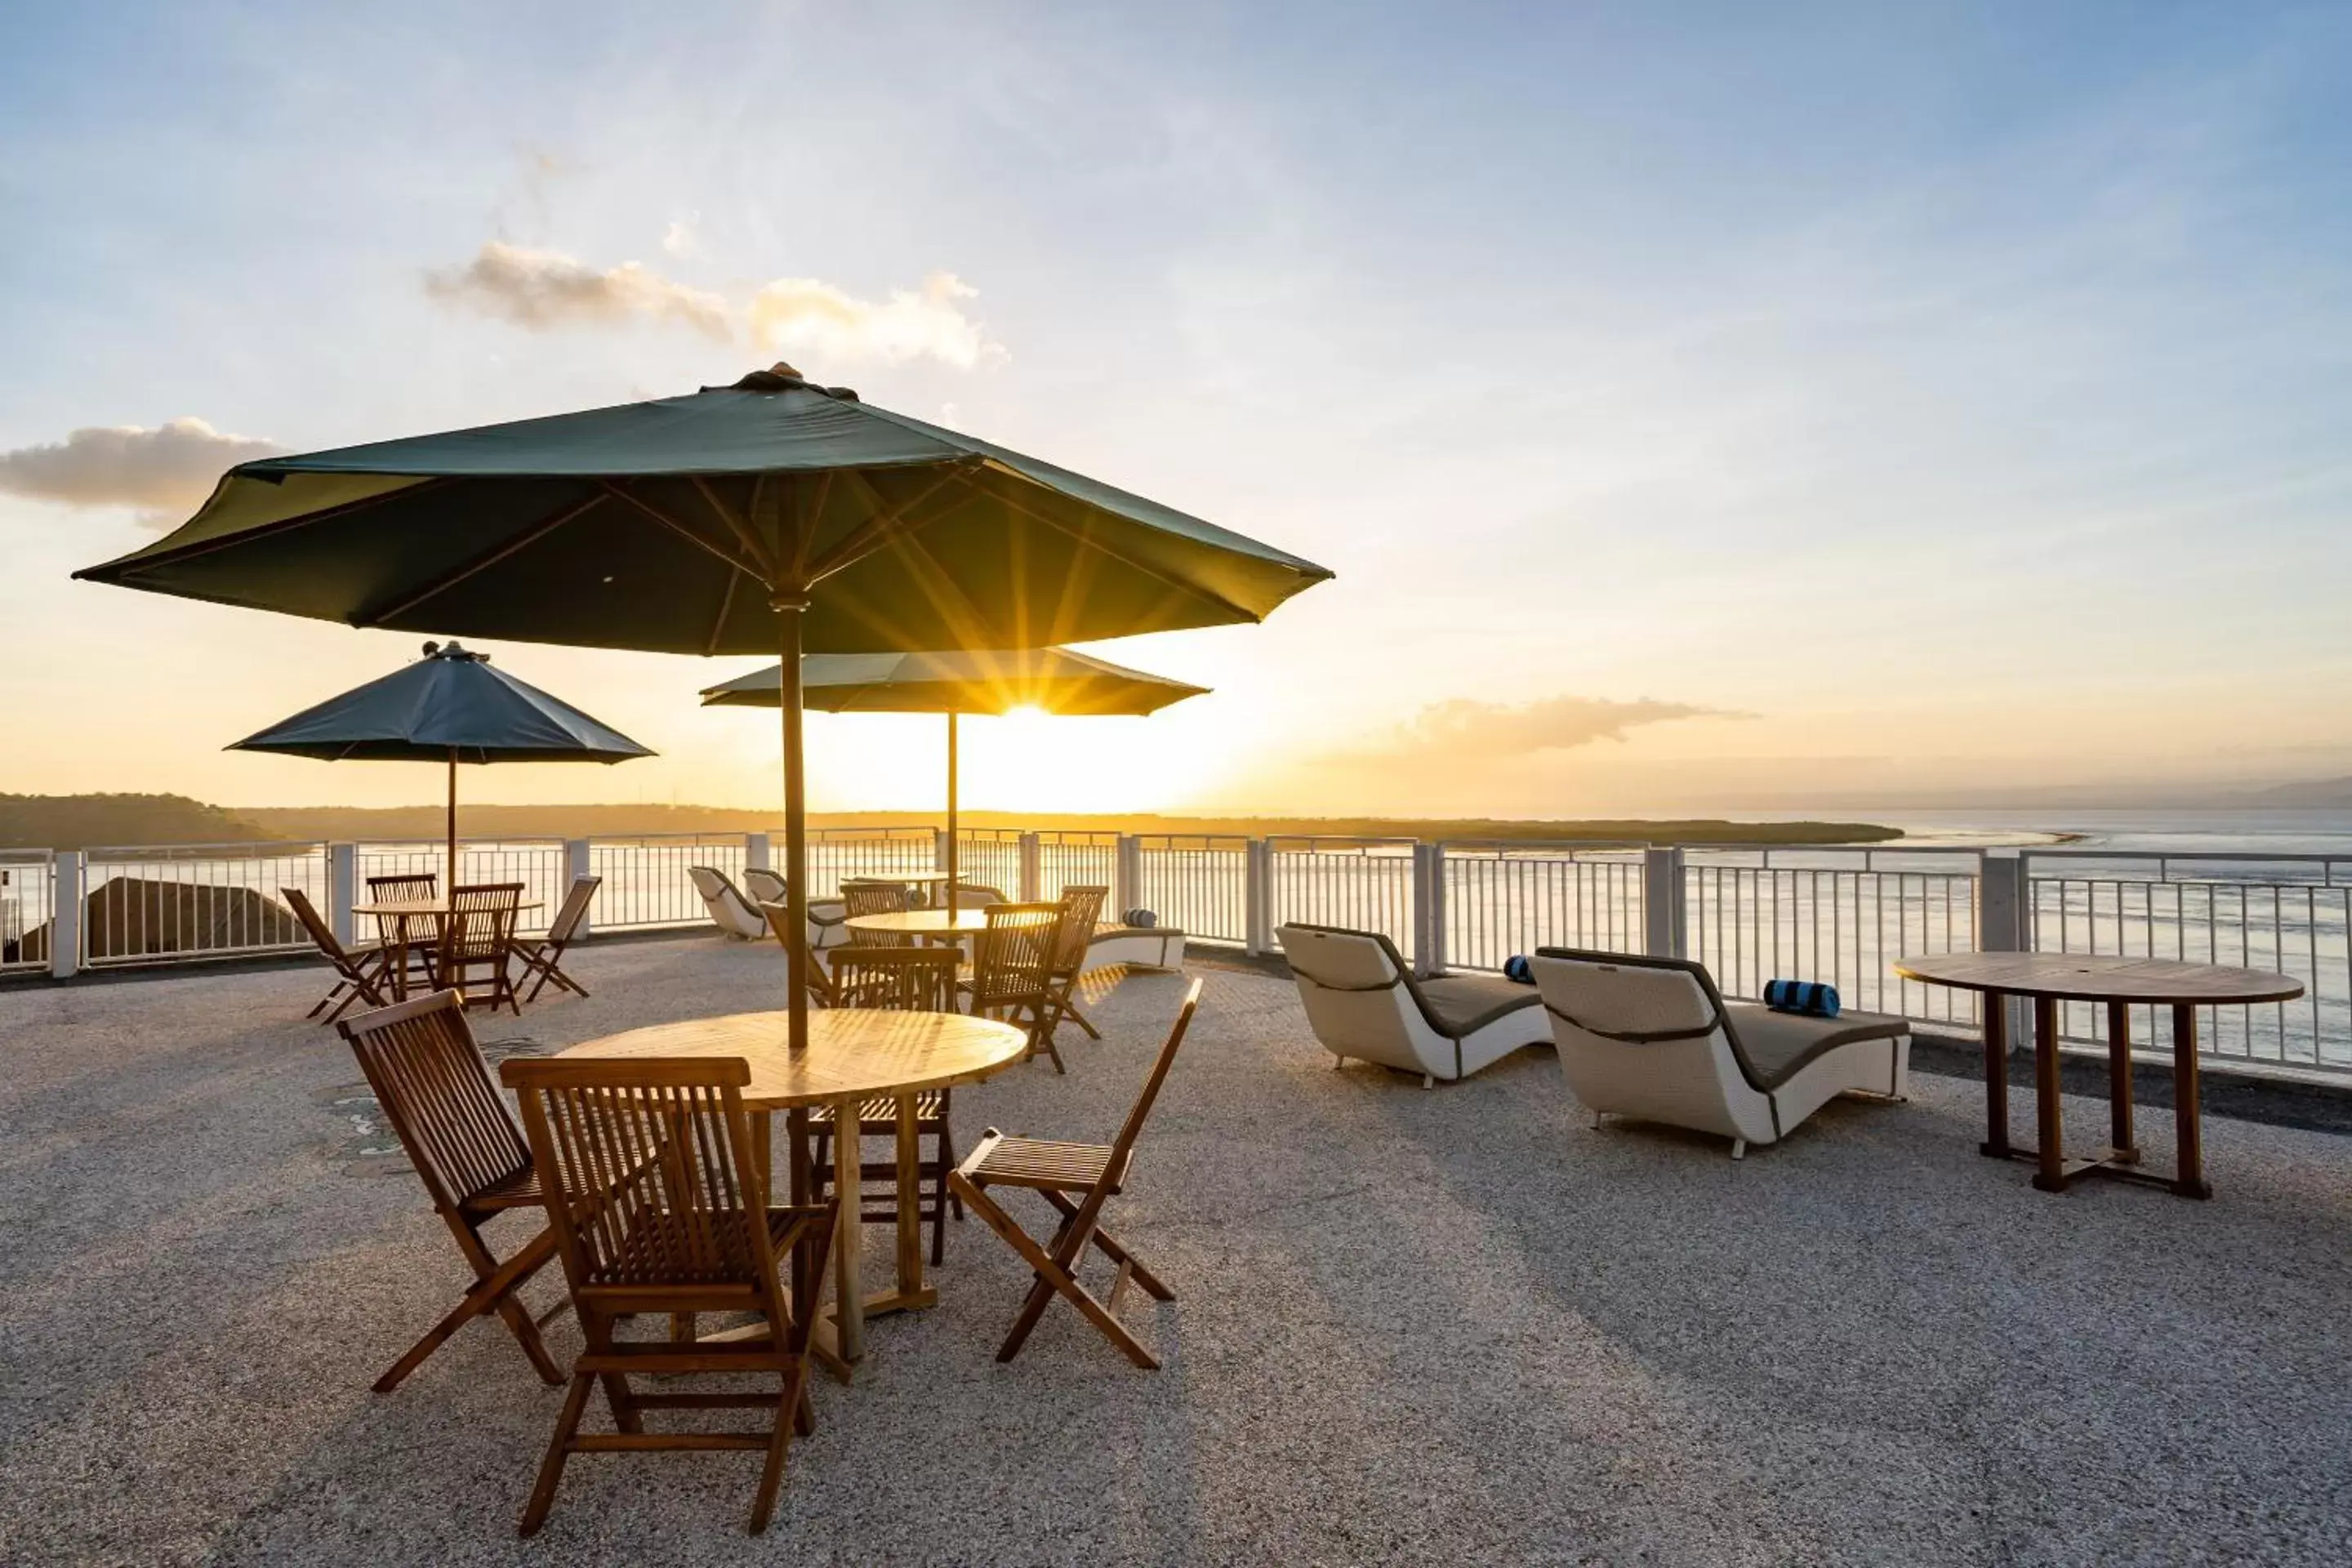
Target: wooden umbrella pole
x,y
452,830
952,812
789,608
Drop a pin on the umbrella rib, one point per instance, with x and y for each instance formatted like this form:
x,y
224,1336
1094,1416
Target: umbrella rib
x,y
749,569
480,563
875,531
1192,589
726,607
743,533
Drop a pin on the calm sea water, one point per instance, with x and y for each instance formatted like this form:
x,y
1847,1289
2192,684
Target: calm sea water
x,y
2140,832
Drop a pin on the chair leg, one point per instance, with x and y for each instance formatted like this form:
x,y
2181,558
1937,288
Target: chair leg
x,y
1070,1008
1739,1148
1429,1080
1115,1252
1052,1278
551,1469
495,1284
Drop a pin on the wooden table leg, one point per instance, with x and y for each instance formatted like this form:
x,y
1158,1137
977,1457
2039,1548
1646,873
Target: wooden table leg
x,y
1996,1065
2189,1177
2125,1151
910,1201
849,1242
2049,1119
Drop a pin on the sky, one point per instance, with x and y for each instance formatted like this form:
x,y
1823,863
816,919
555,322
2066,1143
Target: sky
x,y
1701,407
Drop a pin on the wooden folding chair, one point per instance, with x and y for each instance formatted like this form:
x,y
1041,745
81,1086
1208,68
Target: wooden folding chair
x,y
396,934
1081,910
907,979
359,976
660,1202
1076,1179
1013,970
820,984
479,933
545,958
434,1089
878,898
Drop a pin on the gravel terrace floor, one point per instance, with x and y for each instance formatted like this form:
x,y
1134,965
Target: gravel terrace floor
x,y
1449,1326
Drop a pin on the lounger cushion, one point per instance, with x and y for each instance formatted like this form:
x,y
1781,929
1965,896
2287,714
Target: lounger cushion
x,y
1459,1004
1778,1046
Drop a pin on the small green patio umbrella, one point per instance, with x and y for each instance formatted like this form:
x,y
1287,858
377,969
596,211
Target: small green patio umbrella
x,y
448,706
770,516
1055,679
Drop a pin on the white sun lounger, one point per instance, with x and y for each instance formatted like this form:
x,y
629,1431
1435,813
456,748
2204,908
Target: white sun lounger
x,y
1652,1038
1363,1003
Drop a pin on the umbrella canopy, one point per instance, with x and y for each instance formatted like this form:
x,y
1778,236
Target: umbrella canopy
x,y
1056,679
773,515
449,707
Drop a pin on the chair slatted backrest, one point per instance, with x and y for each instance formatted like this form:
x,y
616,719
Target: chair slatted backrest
x,y
482,918
875,897
435,1089
1132,1127
574,910
650,1169
1013,959
901,979
321,932
1082,905
403,884
780,924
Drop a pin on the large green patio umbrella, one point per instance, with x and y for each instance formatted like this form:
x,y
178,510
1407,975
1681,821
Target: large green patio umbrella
x,y
771,516
448,706
1054,679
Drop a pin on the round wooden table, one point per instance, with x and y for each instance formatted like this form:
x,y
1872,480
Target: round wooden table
x,y
2118,982
937,925
854,1054
928,881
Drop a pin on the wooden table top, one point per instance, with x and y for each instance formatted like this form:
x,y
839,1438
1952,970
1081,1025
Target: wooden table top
x,y
2086,977
852,1052
897,878
921,922
397,907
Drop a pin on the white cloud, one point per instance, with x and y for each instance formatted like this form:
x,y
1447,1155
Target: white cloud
x,y
806,316
166,471
545,289
1463,729
828,324
679,238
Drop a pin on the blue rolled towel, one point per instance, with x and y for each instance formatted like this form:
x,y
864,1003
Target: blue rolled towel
x,y
1142,920
1516,967
1807,997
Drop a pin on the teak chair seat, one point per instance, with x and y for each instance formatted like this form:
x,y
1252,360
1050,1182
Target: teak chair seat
x,y
544,958
434,1089
915,979
360,976
1076,1179
659,1204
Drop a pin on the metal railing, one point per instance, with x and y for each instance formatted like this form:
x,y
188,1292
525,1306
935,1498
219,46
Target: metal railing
x,y
1511,897
990,857
27,906
1198,883
646,884
1841,916
1081,859
1364,884
839,854
2284,913
174,903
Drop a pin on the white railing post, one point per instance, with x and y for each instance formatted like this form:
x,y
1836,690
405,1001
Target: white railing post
x,y
1032,875
342,890
577,863
1662,902
756,851
1428,909
2005,924
1257,895
64,914
1127,874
